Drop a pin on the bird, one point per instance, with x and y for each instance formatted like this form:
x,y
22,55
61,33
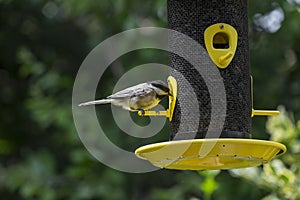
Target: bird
x,y
141,97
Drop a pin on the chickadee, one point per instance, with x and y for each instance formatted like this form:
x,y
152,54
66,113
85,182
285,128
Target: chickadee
x,y
141,97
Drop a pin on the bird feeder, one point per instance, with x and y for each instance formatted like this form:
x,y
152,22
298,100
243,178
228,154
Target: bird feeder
x,y
221,27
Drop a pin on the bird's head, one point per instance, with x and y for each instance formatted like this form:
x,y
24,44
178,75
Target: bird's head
x,y
161,88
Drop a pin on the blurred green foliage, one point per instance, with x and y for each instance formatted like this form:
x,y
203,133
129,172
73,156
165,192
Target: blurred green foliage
x,y
42,45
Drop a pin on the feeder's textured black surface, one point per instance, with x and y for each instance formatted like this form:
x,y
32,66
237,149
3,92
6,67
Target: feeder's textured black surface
x,y
192,17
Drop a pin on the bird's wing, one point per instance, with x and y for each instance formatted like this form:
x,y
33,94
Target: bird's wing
x,y
140,89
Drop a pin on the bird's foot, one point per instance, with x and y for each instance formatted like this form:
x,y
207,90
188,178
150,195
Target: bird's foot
x,y
141,112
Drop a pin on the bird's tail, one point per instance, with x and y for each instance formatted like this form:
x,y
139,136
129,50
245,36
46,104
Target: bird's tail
x,y
102,101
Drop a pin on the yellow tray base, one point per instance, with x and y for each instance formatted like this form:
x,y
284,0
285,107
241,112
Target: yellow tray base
x,y
210,154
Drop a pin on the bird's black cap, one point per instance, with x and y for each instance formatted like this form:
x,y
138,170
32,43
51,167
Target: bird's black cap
x,y
161,85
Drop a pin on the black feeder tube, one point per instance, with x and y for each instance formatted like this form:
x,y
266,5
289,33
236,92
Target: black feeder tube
x,y
192,17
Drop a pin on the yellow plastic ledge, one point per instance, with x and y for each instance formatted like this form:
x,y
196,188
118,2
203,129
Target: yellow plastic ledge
x,y
210,154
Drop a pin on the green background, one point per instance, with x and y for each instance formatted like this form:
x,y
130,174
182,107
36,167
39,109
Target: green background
x,y
42,45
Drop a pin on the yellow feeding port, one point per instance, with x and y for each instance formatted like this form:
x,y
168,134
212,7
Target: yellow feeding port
x,y
221,42
210,154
